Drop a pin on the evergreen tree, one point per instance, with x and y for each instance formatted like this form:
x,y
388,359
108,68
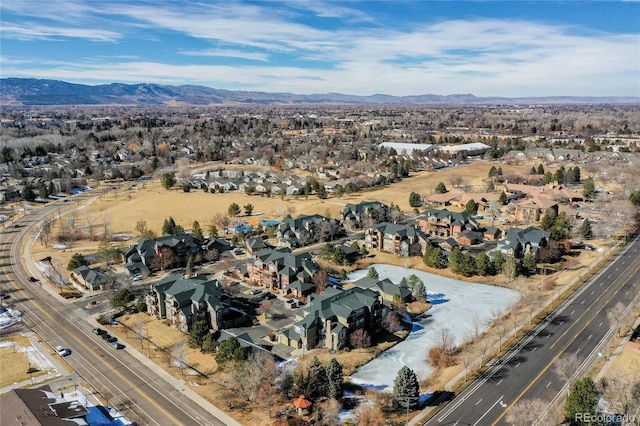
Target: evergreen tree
x,y
415,200
27,193
198,333
404,283
318,380
492,171
230,350
471,207
373,273
234,210
196,231
209,344
503,198
335,378
456,260
434,257
582,399
589,189
483,264
168,180
533,170
560,229
548,220
560,175
76,261
405,390
440,188
529,262
169,226
420,292
540,169
548,177
510,267
585,230
498,262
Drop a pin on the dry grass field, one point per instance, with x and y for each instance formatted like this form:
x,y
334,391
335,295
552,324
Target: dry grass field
x,y
15,361
154,204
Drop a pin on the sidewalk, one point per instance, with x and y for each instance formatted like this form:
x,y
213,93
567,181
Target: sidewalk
x,y
176,383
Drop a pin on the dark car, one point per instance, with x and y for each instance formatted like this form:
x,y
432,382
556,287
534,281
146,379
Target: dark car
x,y
32,279
117,345
98,331
105,336
111,339
4,296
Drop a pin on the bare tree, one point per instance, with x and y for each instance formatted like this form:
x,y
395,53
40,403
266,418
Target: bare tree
x,y
89,225
106,226
527,412
179,354
514,321
360,339
467,358
265,308
494,210
329,412
566,366
501,332
368,414
615,316
474,330
138,328
259,370
621,396
445,340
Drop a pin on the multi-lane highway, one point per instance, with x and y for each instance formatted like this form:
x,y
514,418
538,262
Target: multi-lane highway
x,y
527,371
118,376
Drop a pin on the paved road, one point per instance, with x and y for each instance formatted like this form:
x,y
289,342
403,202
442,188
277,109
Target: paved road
x,y
117,375
526,372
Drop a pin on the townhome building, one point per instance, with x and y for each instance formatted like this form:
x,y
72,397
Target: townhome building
x,y
401,240
280,269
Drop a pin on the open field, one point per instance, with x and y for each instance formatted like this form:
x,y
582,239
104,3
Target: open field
x,y
16,356
154,204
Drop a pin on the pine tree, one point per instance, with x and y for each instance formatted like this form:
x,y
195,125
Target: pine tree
x,y
529,262
196,231
547,221
440,188
404,283
482,264
510,267
405,389
585,230
419,291
373,273
498,262
589,189
540,169
335,378
456,261
198,333
582,399
318,380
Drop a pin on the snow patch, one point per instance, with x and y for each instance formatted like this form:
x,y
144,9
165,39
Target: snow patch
x,y
456,305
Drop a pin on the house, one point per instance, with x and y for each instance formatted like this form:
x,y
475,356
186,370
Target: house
x,y
255,244
442,223
88,278
469,238
331,317
9,193
183,301
389,291
306,229
160,253
279,268
364,214
530,210
401,240
35,407
518,242
491,233
300,290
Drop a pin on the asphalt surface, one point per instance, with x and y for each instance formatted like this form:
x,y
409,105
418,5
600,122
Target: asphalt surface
x,y
577,326
126,383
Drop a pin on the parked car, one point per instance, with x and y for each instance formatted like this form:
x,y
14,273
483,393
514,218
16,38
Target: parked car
x,y
4,296
105,336
32,279
62,351
111,339
256,291
136,277
98,331
117,345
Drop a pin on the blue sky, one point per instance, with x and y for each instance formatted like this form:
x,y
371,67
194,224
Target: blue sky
x,y
501,48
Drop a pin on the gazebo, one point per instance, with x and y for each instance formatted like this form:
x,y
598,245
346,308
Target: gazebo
x,y
302,404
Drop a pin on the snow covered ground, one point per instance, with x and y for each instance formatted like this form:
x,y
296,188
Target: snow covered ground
x,y
456,306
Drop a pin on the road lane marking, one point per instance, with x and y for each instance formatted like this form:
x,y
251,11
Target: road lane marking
x,y
517,365
589,338
479,401
572,312
600,325
498,384
487,412
578,350
548,384
544,370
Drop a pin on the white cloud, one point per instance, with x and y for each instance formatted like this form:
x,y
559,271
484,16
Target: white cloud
x,y
44,32
228,53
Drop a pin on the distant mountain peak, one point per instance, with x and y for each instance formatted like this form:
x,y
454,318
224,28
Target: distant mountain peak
x,y
32,91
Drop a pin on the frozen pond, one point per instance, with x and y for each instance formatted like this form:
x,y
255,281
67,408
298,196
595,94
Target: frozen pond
x,y
457,305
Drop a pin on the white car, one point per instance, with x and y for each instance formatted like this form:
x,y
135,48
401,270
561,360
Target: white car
x,y
62,351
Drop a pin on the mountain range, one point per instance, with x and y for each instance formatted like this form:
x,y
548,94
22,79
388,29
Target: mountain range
x,y
29,91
